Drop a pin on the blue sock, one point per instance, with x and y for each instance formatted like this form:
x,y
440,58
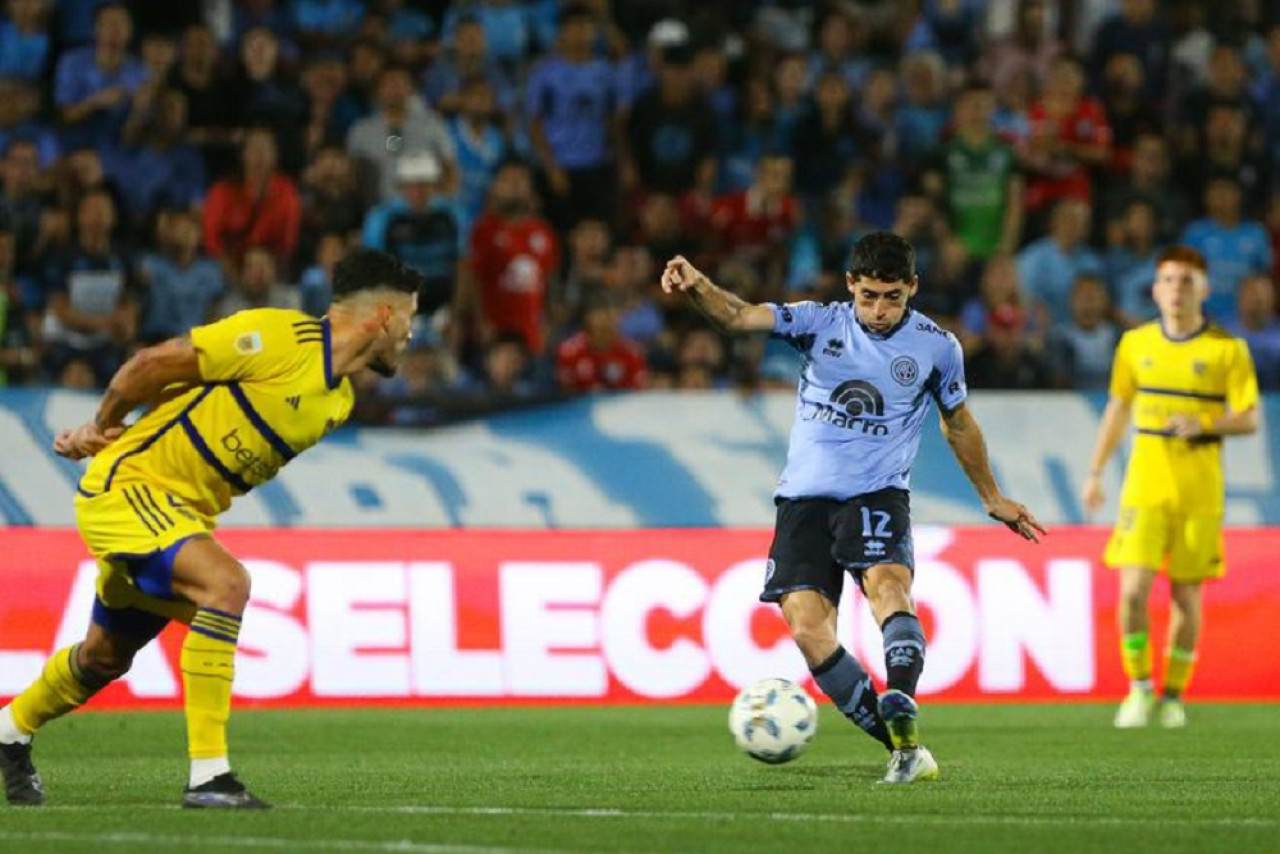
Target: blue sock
x,y
903,651
843,679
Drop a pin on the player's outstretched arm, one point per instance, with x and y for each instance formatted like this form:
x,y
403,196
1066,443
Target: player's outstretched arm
x,y
970,449
1110,432
729,312
141,378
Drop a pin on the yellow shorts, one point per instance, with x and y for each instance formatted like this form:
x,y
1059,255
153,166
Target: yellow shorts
x,y
1187,546
134,531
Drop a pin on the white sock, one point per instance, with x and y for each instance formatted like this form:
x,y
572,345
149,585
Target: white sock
x,y
204,770
9,732
1142,685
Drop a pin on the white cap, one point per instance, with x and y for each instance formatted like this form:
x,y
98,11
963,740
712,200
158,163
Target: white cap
x,y
420,166
668,32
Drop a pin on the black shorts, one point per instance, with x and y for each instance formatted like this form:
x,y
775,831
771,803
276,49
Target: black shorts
x,y
817,540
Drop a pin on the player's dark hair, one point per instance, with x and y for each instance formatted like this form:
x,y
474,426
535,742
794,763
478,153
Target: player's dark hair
x,y
883,256
368,270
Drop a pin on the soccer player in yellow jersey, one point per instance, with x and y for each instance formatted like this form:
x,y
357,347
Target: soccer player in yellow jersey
x,y
1185,384
227,406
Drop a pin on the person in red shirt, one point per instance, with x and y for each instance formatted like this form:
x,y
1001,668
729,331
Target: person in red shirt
x,y
257,207
598,358
1069,136
514,254
760,219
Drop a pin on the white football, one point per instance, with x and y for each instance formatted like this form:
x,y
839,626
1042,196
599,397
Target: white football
x,y
773,720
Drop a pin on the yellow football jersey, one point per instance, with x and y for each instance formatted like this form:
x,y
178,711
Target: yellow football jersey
x,y
1204,375
268,394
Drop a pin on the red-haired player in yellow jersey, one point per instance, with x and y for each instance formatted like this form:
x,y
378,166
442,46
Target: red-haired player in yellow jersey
x,y
1185,384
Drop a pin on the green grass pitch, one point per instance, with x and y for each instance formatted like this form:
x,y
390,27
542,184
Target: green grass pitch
x,y
661,779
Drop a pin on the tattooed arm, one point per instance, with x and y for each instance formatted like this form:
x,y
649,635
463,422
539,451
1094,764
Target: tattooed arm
x,y
728,311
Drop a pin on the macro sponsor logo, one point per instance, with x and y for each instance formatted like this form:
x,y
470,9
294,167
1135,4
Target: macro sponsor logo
x,y
853,400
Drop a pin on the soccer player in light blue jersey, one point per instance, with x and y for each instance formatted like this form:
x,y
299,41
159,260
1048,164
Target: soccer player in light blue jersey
x,y
872,368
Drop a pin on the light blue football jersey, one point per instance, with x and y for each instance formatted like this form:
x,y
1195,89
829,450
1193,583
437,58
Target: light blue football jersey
x,y
863,397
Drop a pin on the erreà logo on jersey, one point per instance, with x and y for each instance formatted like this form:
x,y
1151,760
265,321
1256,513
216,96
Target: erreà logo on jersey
x,y
850,403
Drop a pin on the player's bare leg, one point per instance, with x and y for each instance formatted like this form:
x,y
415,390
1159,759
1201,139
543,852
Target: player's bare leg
x,y
70,678
206,574
888,590
811,617
1180,655
1135,646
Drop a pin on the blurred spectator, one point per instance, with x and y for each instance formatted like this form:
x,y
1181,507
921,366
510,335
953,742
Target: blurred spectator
x,y
1004,359
1227,76
182,285
1148,180
400,127
210,112
515,256
324,23
570,103
1131,264
711,76
16,354
1082,348
257,207
1265,91
924,111
1233,247
24,41
98,86
877,109
700,360
999,286
480,145
748,138
820,249
1136,29
330,200
420,227
506,25
1257,324
265,96
324,79
630,281
827,142
791,94
159,53
21,199
315,286
1129,108
90,292
19,119
950,28
757,222
658,227
670,144
258,286
1049,266
466,57
841,48
410,32
274,15
1069,135
365,64
637,71
1011,121
506,370
590,251
160,168
1226,152
598,358
976,175
1026,53
83,172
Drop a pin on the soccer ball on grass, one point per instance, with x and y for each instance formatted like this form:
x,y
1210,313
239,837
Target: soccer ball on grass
x,y
773,720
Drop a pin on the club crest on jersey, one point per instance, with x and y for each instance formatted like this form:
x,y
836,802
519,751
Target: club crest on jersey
x,y
1199,367
248,343
904,370
834,348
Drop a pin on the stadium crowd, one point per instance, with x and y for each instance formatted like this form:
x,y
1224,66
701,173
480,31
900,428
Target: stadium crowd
x,y
165,164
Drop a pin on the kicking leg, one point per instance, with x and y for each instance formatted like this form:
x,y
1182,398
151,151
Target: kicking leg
x,y
70,677
1135,646
208,576
812,618
888,590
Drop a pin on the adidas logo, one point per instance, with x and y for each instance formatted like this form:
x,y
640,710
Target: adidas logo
x,y
294,401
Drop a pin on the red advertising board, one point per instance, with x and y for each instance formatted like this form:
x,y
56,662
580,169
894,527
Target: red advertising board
x,y
425,617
